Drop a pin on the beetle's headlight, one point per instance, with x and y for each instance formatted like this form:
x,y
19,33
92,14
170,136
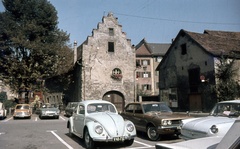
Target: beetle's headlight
x,y
214,129
166,122
98,129
130,127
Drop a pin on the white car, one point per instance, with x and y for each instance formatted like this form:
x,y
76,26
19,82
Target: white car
x,y
231,140
3,111
48,110
219,121
99,121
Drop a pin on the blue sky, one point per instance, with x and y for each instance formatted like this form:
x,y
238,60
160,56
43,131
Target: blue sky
x,y
158,21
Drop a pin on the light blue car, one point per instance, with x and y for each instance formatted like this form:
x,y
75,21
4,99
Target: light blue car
x,y
219,121
99,121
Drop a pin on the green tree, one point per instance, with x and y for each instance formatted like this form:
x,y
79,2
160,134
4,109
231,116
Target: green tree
x,y
32,47
227,88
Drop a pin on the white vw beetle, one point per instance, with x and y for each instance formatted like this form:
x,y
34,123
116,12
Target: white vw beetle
x,y
99,121
219,121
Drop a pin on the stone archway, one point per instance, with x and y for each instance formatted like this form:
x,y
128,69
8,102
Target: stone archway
x,y
116,98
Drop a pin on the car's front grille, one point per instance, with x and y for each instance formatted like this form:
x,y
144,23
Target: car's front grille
x,y
174,122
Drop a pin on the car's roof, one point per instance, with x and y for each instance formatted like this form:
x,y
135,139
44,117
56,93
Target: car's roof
x,y
231,101
23,104
94,101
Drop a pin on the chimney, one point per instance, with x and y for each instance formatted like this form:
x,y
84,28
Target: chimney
x,y
75,52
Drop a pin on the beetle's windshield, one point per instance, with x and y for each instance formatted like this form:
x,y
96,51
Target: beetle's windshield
x,y
156,107
100,107
226,109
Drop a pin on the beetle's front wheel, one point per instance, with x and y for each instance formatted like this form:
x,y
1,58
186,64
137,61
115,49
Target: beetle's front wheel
x,y
152,133
89,143
70,131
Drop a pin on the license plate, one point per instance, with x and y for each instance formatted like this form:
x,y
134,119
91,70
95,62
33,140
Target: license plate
x,y
117,139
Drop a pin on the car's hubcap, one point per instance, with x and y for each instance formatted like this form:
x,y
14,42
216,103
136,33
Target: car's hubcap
x,y
87,138
153,133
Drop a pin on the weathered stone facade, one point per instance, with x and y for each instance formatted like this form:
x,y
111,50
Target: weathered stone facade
x,y
192,57
105,55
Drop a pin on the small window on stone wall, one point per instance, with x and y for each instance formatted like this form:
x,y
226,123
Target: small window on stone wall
x,y
116,74
184,49
111,31
110,46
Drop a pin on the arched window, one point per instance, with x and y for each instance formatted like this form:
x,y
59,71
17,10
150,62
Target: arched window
x,y
116,74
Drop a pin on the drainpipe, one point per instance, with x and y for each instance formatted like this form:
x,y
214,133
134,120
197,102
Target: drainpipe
x,y
75,52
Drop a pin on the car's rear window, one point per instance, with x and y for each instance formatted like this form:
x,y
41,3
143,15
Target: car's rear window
x,y
22,107
156,107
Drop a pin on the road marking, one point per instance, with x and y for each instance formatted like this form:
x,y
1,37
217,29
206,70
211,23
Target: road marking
x,y
36,119
140,147
143,143
60,139
7,119
2,133
62,118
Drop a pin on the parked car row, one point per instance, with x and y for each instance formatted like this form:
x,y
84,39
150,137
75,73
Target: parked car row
x,y
99,121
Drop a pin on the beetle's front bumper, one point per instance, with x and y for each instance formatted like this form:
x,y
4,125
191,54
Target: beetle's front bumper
x,y
112,139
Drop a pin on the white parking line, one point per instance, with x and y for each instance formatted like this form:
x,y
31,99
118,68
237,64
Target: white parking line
x,y
61,140
62,118
142,147
36,119
8,119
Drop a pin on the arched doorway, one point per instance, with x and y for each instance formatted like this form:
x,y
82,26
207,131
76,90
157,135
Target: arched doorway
x,y
116,98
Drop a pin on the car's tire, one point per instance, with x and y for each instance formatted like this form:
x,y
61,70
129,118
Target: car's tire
x,y
152,133
57,117
128,142
89,143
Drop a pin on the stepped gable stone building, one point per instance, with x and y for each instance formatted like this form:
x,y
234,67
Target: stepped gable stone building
x,y
105,65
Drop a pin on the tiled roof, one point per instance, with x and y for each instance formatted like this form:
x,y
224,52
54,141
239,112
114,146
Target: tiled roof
x,y
158,48
151,49
218,42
